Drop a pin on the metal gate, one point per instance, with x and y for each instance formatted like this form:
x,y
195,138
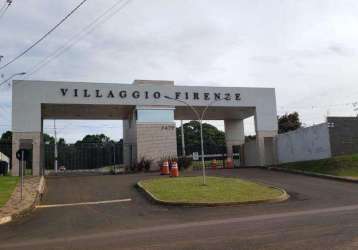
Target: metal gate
x,y
211,152
80,156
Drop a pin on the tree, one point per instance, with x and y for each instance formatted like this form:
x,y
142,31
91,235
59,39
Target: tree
x,y
98,139
61,141
5,144
214,139
6,137
289,122
48,139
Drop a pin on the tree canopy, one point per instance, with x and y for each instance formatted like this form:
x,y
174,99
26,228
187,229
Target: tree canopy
x,y
6,137
97,138
214,139
289,122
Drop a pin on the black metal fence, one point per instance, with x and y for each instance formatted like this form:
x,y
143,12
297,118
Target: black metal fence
x,y
95,155
84,155
211,152
208,149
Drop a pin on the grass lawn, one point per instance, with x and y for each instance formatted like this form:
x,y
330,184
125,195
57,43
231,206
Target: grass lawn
x,y
198,164
346,165
7,185
217,190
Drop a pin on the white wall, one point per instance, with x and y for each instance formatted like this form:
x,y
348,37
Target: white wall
x,y
129,141
304,144
251,154
234,131
312,143
269,151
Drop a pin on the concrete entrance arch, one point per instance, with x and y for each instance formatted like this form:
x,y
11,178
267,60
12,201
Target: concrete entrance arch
x,y
149,117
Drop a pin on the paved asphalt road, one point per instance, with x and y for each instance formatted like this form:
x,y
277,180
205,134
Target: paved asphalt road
x,y
321,214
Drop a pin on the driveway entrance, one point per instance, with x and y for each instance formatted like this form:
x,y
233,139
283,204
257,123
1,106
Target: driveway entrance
x,y
320,212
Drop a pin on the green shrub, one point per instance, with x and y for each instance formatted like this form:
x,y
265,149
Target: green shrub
x,y
143,165
184,162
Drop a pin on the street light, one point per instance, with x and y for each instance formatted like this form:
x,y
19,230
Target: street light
x,y
200,117
12,76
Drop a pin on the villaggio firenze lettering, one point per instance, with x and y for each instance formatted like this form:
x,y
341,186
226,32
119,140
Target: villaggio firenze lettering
x,y
136,94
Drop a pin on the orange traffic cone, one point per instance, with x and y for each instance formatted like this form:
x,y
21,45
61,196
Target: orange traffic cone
x,y
229,163
174,171
213,164
164,169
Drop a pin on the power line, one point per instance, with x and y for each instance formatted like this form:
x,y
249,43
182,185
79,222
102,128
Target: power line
x,y
44,36
4,112
3,9
312,107
105,16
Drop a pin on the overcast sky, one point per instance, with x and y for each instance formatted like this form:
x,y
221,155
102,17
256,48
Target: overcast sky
x,y
305,49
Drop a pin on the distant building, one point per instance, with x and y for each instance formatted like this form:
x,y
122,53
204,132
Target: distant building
x,y
343,134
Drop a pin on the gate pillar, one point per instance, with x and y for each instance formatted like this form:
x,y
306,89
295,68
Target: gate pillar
x,y
24,139
234,135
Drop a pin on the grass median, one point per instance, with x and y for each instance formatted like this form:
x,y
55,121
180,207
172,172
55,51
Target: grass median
x,y
218,190
7,186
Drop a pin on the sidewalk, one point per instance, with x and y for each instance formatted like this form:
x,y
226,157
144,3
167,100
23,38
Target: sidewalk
x,y
32,191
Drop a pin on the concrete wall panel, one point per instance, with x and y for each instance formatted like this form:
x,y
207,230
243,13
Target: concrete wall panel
x,y
250,154
344,135
304,144
155,141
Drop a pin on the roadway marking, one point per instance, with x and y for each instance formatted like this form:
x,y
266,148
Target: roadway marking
x,y
83,203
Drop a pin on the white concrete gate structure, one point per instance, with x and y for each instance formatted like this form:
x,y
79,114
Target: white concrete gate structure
x,y
149,117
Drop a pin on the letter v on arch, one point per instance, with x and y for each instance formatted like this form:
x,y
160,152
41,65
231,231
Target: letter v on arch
x,y
64,92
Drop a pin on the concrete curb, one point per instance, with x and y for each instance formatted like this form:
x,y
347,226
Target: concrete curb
x,y
311,174
283,197
39,193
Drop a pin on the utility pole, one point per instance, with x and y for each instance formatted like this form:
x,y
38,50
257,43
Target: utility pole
x,y
182,139
114,157
56,152
1,57
355,107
